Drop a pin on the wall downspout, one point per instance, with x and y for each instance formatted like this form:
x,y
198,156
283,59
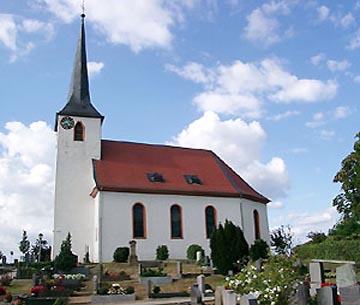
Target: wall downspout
x,y
100,226
241,214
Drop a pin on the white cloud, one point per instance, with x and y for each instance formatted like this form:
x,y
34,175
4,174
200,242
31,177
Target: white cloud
x,y
323,13
284,115
347,20
242,88
26,181
317,59
136,23
263,25
357,79
317,120
354,41
276,205
335,65
8,31
298,150
327,134
94,68
338,18
239,144
341,112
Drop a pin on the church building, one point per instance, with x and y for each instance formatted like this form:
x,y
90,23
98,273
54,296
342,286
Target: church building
x,y
108,192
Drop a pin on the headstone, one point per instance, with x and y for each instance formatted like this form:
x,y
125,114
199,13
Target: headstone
x,y
4,260
300,295
207,260
148,288
140,269
211,264
198,256
248,299
218,295
95,284
259,264
133,259
195,295
316,271
229,297
327,296
179,269
345,276
35,279
201,284
350,295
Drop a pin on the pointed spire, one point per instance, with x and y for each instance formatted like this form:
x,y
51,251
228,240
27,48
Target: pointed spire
x,y
79,94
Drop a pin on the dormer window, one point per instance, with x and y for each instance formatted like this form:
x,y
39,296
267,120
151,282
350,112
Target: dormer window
x,y
79,132
155,177
192,179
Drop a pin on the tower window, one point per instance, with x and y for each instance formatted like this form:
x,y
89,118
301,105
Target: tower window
x,y
257,225
192,179
210,220
155,177
139,221
176,221
79,132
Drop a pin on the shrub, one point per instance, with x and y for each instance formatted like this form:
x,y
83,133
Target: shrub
x,y
162,253
61,301
156,289
192,249
66,259
130,290
153,273
103,290
2,291
259,249
121,254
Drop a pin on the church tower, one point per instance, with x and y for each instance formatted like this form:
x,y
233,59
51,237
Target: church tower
x,y
78,127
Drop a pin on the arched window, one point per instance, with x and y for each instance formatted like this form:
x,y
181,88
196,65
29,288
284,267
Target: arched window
x,y
79,132
257,225
176,221
210,220
139,221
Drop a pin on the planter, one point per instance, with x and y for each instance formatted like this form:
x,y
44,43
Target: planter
x,y
155,280
112,298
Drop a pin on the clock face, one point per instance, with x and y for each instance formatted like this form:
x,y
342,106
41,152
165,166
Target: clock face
x,y
67,122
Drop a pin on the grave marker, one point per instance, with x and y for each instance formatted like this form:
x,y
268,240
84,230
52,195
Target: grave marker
x,y
350,295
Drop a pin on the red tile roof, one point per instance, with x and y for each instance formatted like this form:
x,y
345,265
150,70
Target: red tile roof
x,y
124,167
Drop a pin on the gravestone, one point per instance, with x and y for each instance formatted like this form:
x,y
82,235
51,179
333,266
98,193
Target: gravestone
x,y
345,276
95,284
350,295
300,295
218,295
259,264
148,288
133,259
140,269
201,284
179,269
248,299
316,271
4,260
36,279
195,295
198,256
228,297
327,296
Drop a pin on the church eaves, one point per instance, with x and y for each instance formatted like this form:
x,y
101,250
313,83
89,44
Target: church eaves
x,y
79,103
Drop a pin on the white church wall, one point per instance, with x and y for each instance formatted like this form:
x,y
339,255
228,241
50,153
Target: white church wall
x,y
116,227
74,207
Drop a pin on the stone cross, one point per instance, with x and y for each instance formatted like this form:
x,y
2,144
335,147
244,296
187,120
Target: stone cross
x,y
350,295
133,259
327,296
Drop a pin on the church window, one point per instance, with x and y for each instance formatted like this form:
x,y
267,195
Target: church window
x,y
192,179
257,224
79,132
210,220
176,221
155,177
139,221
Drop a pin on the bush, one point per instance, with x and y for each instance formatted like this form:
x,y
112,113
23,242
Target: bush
x,y
156,289
2,291
121,255
259,249
66,259
130,290
162,253
153,273
192,249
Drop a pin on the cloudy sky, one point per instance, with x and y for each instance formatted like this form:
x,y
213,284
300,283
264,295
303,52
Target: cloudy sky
x,y
271,86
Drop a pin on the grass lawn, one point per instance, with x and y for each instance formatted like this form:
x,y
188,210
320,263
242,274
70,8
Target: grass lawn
x,y
19,286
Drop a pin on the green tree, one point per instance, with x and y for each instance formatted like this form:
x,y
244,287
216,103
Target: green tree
x,y
229,249
66,259
24,245
41,248
316,237
259,249
281,240
347,202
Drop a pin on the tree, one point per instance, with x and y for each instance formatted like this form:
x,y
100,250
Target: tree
x,y
347,202
66,259
281,240
24,245
41,248
316,237
229,249
259,249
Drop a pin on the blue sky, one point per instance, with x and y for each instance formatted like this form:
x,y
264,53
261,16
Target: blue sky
x,y
271,86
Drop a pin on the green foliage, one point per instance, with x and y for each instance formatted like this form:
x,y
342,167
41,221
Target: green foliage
x,y
192,249
316,237
229,249
24,245
281,240
330,249
41,249
345,228
121,254
347,202
259,249
156,289
61,301
66,259
147,272
162,253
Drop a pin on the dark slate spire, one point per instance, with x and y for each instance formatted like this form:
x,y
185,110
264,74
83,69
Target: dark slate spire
x,y
79,103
